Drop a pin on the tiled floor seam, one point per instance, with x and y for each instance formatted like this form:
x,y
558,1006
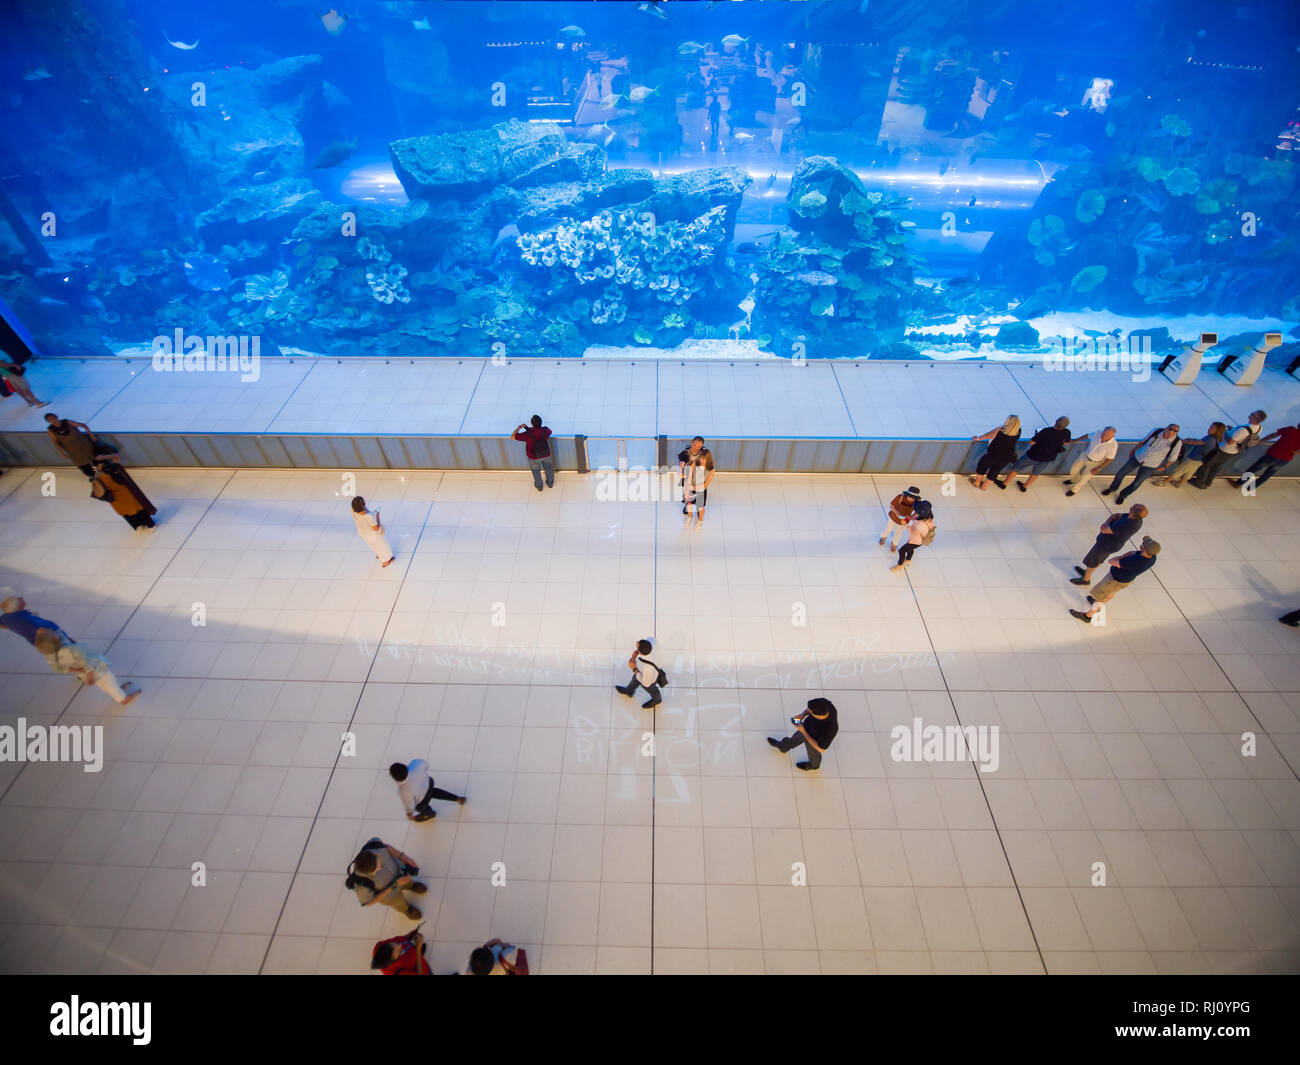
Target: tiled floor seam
x,y
976,771
351,721
134,610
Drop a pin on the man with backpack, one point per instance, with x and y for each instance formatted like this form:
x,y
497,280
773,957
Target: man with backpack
x,y
382,874
646,674
1160,449
537,446
1242,437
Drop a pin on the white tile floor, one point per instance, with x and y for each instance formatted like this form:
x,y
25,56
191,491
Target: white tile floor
x,y
640,398
1119,745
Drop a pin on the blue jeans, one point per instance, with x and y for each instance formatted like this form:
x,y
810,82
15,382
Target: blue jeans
x,y
1263,468
537,466
1143,472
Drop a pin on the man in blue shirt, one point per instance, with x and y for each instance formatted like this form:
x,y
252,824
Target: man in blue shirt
x,y
1112,535
1159,450
15,617
1123,572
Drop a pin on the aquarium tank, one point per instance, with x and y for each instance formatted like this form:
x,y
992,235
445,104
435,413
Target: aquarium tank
x,y
767,178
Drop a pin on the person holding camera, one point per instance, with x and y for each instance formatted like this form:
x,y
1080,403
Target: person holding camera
x,y
646,674
416,790
401,956
537,446
383,874
815,728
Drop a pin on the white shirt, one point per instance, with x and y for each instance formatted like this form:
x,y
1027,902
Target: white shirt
x,y
1103,450
1233,442
646,673
415,787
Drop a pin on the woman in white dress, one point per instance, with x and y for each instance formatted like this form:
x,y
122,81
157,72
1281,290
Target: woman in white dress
x,y
371,531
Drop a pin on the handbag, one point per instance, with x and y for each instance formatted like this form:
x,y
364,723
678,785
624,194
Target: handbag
x,y
520,967
105,494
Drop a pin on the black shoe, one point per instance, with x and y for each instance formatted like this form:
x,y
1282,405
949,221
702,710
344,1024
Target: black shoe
x,y
623,691
806,766
1070,492
1107,491
647,705
1119,499
1021,486
775,743
1001,484
1293,624
461,800
1069,482
538,487
419,888
1081,616
1092,600
1078,580
1080,571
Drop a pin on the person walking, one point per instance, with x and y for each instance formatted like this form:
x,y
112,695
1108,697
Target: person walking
x,y
1123,572
371,530
815,728
401,956
920,533
416,790
383,874
76,443
116,487
1112,535
14,376
646,674
498,958
15,617
696,466
1093,461
1234,443
1001,452
1043,450
1193,453
1277,456
537,446
89,667
1158,451
900,513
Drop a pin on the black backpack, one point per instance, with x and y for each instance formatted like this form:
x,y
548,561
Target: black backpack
x,y
354,879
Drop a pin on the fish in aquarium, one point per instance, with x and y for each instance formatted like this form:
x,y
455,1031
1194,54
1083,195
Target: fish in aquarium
x,y
811,158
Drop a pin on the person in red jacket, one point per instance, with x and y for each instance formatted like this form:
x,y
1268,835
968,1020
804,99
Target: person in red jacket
x,y
537,446
1288,443
401,956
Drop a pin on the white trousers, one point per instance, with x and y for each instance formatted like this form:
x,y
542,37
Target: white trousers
x,y
898,532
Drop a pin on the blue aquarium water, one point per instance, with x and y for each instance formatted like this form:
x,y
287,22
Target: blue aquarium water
x,y
831,178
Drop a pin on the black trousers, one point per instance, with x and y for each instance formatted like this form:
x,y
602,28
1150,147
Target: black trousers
x,y
1214,462
423,807
653,689
814,758
906,552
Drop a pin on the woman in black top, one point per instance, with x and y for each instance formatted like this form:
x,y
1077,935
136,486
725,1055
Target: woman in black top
x,y
1001,452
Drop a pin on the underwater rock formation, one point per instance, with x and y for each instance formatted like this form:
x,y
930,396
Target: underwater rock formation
x,y
838,279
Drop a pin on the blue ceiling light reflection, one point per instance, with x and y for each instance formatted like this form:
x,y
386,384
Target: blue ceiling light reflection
x,y
374,183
